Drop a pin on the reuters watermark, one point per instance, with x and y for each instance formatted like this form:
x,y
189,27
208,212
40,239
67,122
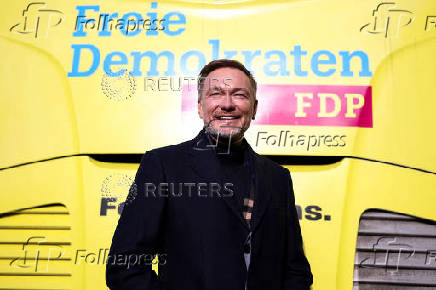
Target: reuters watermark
x,y
121,85
188,189
188,83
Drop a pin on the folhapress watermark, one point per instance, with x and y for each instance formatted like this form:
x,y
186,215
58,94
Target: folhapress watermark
x,y
37,20
39,254
387,20
109,22
391,254
35,250
102,256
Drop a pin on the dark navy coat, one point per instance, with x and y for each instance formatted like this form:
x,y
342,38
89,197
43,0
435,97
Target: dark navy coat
x,y
201,235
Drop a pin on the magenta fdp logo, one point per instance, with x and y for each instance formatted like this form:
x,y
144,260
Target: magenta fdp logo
x,y
304,105
314,105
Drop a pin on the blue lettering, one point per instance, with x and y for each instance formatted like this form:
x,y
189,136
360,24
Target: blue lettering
x,y
152,31
297,53
109,61
230,53
316,61
184,60
181,20
215,48
281,63
323,63
76,60
107,31
80,21
346,58
129,31
137,57
249,55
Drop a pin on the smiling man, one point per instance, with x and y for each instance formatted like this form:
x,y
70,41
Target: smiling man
x,y
232,225
227,101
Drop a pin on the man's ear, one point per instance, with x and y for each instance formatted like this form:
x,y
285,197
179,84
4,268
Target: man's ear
x,y
200,109
255,109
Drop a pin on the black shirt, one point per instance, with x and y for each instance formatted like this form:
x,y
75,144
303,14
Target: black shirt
x,y
235,166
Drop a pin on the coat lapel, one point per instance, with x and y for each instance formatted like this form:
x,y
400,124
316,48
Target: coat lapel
x,y
263,192
199,154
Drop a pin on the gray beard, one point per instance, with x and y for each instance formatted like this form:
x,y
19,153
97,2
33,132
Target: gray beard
x,y
237,134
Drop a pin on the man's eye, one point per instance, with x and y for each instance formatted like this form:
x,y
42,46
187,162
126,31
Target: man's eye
x,y
214,94
241,95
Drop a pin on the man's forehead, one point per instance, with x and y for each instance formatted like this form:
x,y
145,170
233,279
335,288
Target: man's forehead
x,y
232,89
228,76
231,71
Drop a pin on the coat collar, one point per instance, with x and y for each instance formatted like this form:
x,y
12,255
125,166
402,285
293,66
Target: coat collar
x,y
200,151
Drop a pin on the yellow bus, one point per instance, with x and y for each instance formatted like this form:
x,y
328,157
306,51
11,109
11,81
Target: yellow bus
x,y
347,103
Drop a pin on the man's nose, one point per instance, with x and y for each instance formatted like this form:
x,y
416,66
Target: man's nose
x,y
227,102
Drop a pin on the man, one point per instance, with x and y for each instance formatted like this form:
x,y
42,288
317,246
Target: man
x,y
223,216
